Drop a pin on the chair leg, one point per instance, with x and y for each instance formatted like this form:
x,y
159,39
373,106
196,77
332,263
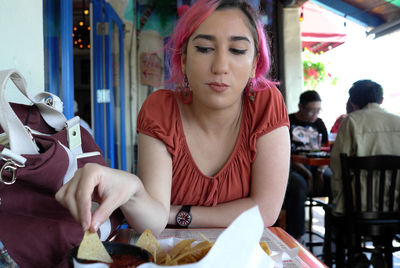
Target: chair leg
x,y
327,249
389,254
341,249
310,218
339,254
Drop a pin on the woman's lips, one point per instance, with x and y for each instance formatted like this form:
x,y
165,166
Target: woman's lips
x,y
219,87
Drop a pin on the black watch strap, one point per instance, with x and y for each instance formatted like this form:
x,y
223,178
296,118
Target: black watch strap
x,y
186,208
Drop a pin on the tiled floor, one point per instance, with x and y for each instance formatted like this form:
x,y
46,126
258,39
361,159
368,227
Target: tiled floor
x,y
318,227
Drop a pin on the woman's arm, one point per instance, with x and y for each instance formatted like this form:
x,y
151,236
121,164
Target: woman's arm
x,y
145,203
155,171
268,185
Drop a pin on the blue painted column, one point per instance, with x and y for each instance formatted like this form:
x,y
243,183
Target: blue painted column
x,y
67,58
52,43
122,96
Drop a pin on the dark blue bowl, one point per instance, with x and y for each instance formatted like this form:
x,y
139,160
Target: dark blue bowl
x,y
116,248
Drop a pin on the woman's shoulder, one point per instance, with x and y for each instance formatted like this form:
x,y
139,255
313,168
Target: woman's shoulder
x,y
159,106
160,95
270,92
158,116
268,100
268,109
162,100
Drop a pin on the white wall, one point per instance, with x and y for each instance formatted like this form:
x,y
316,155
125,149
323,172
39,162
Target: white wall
x,y
21,43
293,67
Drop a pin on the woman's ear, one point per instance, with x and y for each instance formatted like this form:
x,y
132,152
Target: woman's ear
x,y
183,63
254,67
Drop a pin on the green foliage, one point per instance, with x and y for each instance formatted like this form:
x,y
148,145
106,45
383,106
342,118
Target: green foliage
x,y
314,71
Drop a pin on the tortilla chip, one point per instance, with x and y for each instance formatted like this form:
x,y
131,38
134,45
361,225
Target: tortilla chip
x,y
148,242
92,249
181,253
265,247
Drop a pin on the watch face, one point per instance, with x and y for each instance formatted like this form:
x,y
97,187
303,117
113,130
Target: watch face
x,y
183,218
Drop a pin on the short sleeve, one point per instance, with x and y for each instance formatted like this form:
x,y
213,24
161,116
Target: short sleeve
x,y
158,117
267,113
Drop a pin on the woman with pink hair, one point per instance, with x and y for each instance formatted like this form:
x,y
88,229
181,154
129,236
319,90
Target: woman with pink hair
x,y
215,146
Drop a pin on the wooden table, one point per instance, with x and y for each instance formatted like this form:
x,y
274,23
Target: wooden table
x,y
307,259
311,161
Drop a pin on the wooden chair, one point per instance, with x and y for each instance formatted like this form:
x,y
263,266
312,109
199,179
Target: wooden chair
x,y
371,187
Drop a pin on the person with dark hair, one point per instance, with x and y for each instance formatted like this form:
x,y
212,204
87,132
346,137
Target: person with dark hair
x,y
368,130
336,125
364,92
304,124
215,146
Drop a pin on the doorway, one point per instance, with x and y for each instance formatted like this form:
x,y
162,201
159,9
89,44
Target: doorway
x,y
98,69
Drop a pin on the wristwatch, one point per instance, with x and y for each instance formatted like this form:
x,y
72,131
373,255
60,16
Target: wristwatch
x,y
184,217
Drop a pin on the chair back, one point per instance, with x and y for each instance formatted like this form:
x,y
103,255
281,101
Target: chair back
x,y
371,186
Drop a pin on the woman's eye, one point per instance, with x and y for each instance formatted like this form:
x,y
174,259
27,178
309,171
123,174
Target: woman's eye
x,y
238,51
203,49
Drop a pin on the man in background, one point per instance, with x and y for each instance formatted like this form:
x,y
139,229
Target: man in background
x,y
368,130
304,180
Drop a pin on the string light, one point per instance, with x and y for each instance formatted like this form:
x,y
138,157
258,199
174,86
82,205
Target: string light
x,y
81,33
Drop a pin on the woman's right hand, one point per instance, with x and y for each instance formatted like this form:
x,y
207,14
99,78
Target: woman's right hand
x,y
109,187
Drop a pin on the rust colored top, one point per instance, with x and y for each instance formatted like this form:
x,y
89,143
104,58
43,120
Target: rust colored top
x,y
159,117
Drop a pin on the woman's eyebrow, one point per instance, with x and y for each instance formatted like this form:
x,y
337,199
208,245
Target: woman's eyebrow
x,y
212,38
239,38
204,36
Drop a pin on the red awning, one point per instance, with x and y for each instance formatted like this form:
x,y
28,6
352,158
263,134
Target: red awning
x,y
321,30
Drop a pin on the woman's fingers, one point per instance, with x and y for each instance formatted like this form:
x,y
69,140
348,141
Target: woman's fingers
x,y
112,195
102,213
76,195
89,178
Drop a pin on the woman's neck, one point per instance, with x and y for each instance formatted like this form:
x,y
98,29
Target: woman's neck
x,y
213,121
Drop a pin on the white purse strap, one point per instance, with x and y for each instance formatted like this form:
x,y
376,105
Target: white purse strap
x,y
50,107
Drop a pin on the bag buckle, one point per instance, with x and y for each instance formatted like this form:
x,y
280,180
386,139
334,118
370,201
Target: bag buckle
x,y
49,101
10,166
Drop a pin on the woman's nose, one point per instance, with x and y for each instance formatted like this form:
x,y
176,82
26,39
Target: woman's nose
x,y
220,63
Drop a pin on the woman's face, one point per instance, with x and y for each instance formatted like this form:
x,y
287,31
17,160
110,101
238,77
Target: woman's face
x,y
220,59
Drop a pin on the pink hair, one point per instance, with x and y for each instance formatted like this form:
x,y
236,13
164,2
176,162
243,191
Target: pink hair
x,y
185,27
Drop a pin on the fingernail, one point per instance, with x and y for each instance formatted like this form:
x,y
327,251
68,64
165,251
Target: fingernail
x,y
96,225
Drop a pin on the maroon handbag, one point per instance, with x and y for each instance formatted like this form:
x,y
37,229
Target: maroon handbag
x,y
40,151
